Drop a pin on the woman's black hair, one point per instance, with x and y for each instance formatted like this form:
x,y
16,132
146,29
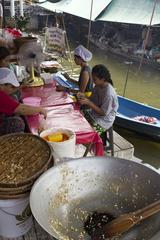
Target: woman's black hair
x,y
79,57
102,73
4,52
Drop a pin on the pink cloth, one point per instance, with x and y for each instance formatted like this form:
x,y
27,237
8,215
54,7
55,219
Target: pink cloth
x,y
48,94
67,117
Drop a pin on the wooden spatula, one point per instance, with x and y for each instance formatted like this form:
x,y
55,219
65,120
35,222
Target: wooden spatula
x,y
125,222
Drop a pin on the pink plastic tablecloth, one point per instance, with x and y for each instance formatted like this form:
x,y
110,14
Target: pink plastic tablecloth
x,y
67,117
48,94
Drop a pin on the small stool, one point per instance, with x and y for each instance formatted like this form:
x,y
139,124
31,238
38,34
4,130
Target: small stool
x,y
108,140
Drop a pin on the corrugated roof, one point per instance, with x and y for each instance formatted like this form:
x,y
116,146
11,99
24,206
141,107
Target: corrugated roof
x,y
131,11
79,8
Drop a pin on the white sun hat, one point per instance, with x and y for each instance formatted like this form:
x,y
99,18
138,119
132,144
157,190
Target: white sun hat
x,y
83,52
8,76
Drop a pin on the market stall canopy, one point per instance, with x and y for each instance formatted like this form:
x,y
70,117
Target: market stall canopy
x,y
131,11
80,8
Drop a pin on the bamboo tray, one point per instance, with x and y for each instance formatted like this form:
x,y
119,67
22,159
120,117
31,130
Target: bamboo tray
x,y
14,196
23,157
19,189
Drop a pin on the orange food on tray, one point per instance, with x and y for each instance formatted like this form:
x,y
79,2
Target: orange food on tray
x,y
56,137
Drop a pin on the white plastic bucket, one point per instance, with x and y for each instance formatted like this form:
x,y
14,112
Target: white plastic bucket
x,y
15,217
65,148
32,101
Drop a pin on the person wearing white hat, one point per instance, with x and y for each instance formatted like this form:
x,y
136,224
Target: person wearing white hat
x,y
83,53
9,107
5,62
81,57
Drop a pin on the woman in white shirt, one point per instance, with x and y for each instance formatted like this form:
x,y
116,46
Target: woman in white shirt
x,y
103,103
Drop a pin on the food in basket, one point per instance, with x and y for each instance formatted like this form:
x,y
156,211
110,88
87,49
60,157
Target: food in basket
x,y
23,157
56,137
50,64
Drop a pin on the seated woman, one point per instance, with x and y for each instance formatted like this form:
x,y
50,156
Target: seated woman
x,y
10,122
5,58
81,57
103,103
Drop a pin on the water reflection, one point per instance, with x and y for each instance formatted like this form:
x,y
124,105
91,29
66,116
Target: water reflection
x,y
144,148
143,86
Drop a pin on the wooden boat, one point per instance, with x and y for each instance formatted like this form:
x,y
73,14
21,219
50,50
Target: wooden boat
x,y
138,117
126,55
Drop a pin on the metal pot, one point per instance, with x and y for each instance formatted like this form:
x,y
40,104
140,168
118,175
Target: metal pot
x,y
62,198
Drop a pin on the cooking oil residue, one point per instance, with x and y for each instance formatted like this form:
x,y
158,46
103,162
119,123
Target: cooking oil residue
x,y
96,221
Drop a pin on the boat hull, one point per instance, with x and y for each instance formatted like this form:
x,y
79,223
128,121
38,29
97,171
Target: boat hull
x,y
129,109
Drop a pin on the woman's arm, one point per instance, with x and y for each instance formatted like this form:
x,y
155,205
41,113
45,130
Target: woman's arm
x,y
89,103
23,109
70,79
82,86
84,81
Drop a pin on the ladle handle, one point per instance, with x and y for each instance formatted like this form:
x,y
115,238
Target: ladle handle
x,y
124,222
148,210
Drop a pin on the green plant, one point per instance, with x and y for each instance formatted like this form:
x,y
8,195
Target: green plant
x,y
21,22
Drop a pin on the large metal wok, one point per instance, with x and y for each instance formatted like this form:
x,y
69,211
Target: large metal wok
x,y
62,198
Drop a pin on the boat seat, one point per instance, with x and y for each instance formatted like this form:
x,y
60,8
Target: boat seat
x,y
107,139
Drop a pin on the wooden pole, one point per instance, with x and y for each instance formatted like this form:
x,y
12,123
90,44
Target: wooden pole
x,y
67,42
125,85
147,36
90,24
12,8
46,25
3,22
46,32
21,8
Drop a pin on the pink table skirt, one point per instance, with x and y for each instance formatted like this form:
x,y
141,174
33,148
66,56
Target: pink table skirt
x,y
48,94
67,117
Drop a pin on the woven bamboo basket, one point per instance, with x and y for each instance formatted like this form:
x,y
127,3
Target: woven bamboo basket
x,y
21,40
14,196
21,189
17,190
23,157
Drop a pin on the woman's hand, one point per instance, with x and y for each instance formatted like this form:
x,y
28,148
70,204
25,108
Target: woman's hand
x,y
43,112
84,101
60,88
66,76
80,95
